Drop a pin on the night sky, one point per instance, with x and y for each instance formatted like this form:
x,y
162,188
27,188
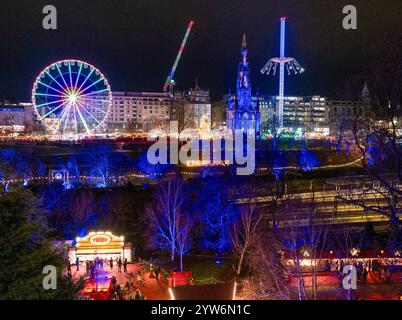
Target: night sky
x,y
134,42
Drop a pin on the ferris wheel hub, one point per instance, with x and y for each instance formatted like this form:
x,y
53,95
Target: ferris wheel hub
x,y
72,98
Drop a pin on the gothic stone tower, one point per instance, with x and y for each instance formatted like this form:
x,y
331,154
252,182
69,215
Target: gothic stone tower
x,y
243,113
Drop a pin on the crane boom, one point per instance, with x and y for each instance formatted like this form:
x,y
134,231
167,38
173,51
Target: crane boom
x,y
176,62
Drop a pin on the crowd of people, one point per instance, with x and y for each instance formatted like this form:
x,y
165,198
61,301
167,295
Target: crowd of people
x,y
363,268
131,290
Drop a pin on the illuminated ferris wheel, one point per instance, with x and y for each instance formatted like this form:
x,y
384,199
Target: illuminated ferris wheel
x,y
71,97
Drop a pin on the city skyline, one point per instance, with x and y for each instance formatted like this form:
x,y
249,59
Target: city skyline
x,y
139,60
201,151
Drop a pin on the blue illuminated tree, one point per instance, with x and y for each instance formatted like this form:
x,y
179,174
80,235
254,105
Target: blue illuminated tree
x,y
307,160
74,169
106,165
11,167
280,161
153,171
214,212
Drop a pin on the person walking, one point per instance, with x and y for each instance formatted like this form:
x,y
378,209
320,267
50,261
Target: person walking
x,y
92,269
139,279
138,295
388,275
77,262
127,288
125,265
157,272
365,273
87,267
69,267
119,265
114,281
111,263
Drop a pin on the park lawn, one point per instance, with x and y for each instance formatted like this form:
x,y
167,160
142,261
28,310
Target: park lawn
x,y
207,270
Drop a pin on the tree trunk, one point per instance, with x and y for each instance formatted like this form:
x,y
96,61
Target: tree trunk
x,y
349,294
314,284
300,290
172,254
240,263
300,279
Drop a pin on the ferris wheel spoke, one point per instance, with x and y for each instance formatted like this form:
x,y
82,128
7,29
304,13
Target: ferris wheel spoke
x,y
83,120
94,92
62,77
95,100
53,110
64,117
49,103
68,116
62,114
58,120
94,107
78,76
100,110
48,73
50,87
86,79
46,95
97,109
91,85
71,77
90,114
75,121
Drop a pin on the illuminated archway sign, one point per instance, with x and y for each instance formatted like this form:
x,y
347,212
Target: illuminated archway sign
x,y
100,239
100,244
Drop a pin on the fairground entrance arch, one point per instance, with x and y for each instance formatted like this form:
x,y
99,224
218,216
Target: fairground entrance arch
x,y
104,245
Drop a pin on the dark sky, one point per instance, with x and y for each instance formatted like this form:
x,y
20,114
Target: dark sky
x,y
134,42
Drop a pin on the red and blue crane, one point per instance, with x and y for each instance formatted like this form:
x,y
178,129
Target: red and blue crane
x,y
169,80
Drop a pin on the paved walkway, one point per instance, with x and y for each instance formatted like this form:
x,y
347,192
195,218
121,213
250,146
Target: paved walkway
x,y
152,289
